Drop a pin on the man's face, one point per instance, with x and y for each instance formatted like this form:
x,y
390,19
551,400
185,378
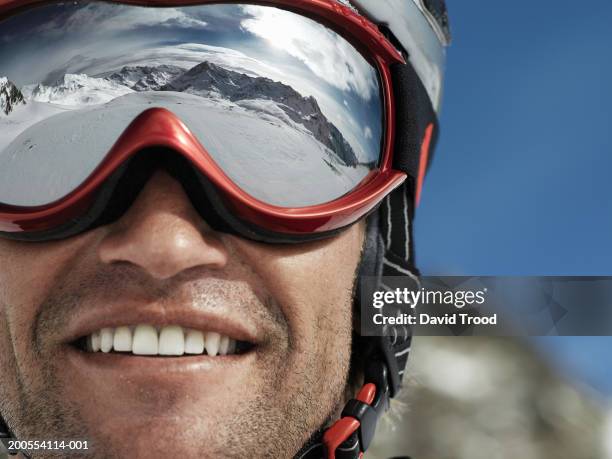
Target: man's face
x,y
161,264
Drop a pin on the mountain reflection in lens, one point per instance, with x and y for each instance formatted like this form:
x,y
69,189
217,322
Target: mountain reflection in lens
x,y
294,122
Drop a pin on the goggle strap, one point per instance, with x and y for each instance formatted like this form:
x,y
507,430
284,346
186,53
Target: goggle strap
x,y
416,125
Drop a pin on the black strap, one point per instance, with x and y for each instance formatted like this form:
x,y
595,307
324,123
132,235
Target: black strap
x,y
349,449
5,435
414,112
396,213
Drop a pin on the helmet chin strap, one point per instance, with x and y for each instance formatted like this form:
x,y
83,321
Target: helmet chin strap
x,y
5,436
350,436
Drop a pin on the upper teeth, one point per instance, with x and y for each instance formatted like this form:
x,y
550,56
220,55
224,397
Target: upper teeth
x,y
166,340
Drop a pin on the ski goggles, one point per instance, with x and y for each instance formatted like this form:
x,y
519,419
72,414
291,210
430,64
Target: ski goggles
x,y
282,111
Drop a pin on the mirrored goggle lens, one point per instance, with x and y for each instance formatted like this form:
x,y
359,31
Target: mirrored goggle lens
x,y
289,109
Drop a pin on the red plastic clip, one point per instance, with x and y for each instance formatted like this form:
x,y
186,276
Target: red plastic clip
x,y
346,426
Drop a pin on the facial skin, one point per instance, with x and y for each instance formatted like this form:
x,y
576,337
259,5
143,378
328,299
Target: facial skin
x,y
160,263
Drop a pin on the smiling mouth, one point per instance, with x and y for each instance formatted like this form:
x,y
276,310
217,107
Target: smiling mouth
x,y
161,341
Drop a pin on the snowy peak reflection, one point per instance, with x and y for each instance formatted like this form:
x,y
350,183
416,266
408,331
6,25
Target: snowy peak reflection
x,y
212,81
10,96
207,80
146,78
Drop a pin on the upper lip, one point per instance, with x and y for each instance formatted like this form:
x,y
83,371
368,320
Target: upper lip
x,y
223,320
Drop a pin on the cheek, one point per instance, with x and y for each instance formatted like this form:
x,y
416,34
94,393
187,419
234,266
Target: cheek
x,y
25,278
313,284
314,274
28,274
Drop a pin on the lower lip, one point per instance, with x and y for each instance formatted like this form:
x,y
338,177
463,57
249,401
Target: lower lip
x,y
151,367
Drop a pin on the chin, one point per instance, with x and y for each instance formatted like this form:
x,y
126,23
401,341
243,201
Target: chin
x,y
163,437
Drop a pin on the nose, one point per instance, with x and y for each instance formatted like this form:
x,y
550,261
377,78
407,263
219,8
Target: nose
x,y
162,233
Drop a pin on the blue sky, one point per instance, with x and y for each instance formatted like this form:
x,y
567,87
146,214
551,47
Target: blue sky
x,y
521,180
